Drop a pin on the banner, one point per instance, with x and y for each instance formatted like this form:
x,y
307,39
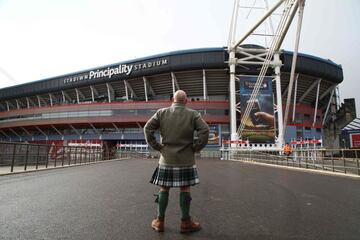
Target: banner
x,y
214,135
259,126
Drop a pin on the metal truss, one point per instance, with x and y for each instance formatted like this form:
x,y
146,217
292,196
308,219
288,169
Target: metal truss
x,y
267,57
147,89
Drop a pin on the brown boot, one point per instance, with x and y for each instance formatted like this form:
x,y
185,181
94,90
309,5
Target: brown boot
x,y
158,224
187,226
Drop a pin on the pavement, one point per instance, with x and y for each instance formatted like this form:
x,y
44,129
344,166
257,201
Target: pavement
x,y
7,169
234,200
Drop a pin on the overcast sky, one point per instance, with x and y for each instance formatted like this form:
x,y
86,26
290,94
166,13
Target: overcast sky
x,y
41,39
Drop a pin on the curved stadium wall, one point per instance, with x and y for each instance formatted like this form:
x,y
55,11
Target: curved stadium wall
x,y
112,103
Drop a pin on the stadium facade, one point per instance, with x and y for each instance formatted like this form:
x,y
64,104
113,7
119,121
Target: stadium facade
x,y
110,104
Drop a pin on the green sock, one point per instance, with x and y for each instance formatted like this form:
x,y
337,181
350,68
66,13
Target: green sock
x,y
162,204
185,200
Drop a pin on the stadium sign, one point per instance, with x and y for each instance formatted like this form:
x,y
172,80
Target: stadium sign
x,y
119,70
109,72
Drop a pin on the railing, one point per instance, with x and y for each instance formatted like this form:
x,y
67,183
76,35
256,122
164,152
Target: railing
x,y
344,161
133,154
19,157
207,153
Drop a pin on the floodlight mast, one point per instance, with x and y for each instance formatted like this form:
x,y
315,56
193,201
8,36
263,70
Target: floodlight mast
x,y
232,67
293,66
261,57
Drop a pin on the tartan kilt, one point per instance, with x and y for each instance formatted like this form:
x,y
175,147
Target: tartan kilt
x,y
167,176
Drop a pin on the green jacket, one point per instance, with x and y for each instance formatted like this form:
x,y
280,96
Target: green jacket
x,y
177,125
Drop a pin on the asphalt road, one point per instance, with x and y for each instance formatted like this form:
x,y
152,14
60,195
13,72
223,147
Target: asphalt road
x,y
233,201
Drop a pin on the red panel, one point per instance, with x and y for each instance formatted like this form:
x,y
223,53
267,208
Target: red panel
x,y
110,106
355,140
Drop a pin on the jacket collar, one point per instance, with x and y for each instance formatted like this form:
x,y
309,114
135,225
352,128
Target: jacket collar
x,y
177,104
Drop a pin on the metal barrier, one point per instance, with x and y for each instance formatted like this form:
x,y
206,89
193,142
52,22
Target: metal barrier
x,y
210,154
335,160
133,154
19,157
150,153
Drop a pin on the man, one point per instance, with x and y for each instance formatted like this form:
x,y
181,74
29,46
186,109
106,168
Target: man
x,y
177,125
287,149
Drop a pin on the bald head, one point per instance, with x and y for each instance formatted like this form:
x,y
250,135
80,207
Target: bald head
x,y
180,96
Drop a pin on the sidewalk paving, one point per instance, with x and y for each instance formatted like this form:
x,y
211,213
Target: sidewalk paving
x,y
233,201
6,170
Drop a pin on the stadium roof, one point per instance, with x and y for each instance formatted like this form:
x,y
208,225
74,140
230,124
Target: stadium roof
x,y
352,127
184,60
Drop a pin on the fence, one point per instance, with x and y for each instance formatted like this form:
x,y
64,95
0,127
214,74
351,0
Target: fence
x,y
133,154
18,157
336,160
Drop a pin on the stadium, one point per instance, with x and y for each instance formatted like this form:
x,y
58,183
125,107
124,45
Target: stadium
x,y
109,105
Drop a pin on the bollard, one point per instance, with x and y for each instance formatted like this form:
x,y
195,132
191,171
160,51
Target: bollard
x,y
344,161
47,156
293,160
69,155
276,159
357,163
91,154
76,150
37,157
332,161
26,157
13,159
302,157
63,156
56,151
81,150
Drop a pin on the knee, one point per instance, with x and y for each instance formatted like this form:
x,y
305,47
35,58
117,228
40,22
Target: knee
x,y
164,189
185,189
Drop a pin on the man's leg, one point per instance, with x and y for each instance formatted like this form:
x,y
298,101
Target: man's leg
x,y
185,202
162,201
187,225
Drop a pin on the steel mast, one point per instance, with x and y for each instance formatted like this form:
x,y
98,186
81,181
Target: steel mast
x,y
268,57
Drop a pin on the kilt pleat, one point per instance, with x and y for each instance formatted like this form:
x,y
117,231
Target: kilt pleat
x,y
168,176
